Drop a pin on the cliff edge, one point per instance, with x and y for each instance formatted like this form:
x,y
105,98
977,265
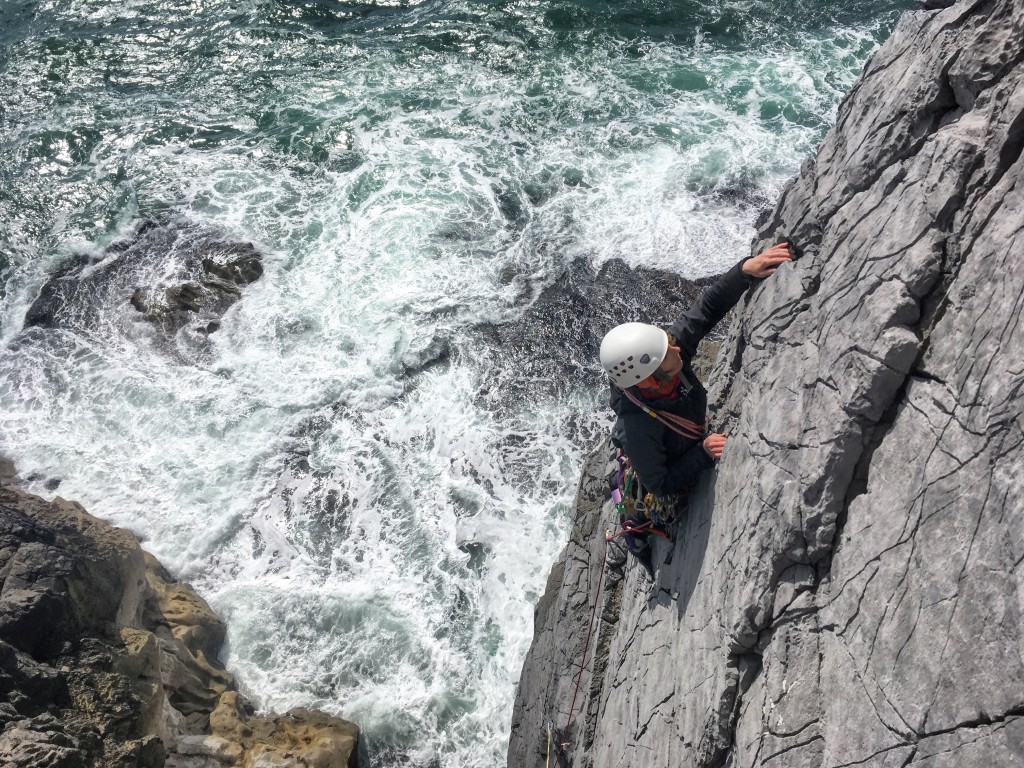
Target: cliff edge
x,y
846,587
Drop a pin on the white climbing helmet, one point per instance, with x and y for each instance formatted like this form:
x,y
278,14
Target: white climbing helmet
x,y
633,351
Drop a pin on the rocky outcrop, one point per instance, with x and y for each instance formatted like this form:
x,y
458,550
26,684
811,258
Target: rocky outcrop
x,y
105,660
176,275
846,587
201,301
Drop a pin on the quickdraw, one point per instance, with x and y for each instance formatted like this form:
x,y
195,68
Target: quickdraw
x,y
639,512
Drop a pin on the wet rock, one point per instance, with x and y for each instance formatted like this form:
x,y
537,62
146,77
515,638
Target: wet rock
x,y
199,303
435,353
844,588
558,337
321,499
55,297
8,472
177,275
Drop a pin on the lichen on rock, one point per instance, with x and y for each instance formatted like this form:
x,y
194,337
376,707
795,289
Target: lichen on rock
x,y
106,660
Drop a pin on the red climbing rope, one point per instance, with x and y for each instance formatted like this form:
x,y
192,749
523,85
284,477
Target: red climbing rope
x,y
642,528
586,646
646,527
677,424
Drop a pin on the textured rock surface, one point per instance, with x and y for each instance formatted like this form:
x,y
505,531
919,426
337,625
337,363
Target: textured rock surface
x,y
847,587
106,661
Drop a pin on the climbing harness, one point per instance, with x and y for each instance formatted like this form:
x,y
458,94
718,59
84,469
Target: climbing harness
x,y
640,513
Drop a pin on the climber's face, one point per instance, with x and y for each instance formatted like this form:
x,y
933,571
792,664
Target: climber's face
x,y
670,367
673,362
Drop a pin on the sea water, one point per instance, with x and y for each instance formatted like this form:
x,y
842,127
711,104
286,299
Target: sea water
x,y
340,472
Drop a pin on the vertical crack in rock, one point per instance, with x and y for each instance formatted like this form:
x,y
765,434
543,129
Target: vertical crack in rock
x,y
608,618
720,747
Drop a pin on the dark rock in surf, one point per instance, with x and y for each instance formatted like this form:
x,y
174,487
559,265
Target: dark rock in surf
x,y
201,302
178,276
556,340
437,352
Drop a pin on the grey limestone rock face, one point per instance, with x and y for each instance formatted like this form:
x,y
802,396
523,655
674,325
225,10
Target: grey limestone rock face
x,y
846,586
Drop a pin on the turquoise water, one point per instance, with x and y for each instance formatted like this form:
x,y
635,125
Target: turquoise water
x,y
375,529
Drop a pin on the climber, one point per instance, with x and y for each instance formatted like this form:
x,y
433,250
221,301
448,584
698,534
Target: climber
x,y
660,402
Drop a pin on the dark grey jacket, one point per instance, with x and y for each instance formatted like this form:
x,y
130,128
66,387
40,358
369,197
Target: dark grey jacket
x,y
666,462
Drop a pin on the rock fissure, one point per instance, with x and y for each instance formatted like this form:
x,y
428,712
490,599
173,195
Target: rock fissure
x,y
871,564
799,745
641,728
960,578
870,757
981,722
796,732
913,629
903,734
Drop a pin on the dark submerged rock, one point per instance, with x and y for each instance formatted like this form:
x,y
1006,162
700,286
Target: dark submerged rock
x,y
199,303
176,275
556,340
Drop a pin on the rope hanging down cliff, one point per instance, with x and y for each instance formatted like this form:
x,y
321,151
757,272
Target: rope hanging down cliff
x,y
560,744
